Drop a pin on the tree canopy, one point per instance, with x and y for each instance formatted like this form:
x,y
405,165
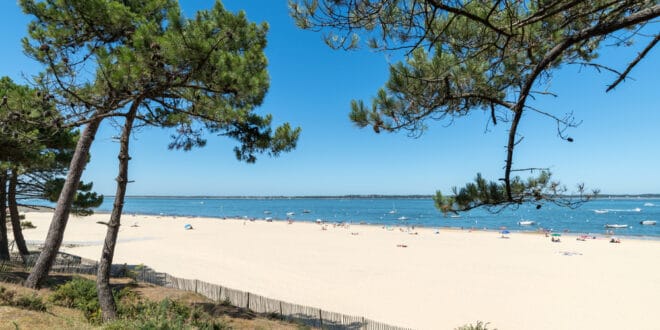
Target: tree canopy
x,y
487,55
37,148
206,73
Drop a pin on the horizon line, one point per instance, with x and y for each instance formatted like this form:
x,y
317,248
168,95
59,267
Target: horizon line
x,y
626,195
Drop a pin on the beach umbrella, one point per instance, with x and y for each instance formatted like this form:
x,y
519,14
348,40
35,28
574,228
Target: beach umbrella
x,y
556,234
505,232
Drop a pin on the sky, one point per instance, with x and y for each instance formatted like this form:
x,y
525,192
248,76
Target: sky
x,y
616,147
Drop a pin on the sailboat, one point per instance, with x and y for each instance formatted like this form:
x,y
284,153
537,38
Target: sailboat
x,y
393,210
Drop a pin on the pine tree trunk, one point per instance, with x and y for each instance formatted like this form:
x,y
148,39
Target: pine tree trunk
x,y
61,215
15,218
4,241
106,300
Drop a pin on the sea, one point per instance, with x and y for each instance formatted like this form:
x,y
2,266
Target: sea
x,y
591,217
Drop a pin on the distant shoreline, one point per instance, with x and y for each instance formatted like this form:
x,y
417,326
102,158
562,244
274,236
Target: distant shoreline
x,y
641,196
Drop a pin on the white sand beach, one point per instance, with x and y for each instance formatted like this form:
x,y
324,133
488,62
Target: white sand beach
x,y
438,281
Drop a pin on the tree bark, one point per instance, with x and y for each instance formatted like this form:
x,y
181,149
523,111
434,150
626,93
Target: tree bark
x,y
106,300
4,241
15,218
61,215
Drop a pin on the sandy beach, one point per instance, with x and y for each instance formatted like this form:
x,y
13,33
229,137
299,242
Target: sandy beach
x,y
426,280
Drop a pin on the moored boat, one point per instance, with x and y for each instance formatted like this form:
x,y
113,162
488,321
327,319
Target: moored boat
x,y
614,225
526,223
648,222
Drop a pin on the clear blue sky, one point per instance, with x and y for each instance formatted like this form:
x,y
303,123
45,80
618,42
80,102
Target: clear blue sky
x,y
616,148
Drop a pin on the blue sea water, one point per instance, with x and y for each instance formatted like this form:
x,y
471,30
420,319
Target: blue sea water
x,y
417,212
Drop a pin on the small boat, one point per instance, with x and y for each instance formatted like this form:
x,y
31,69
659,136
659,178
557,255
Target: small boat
x,y
455,216
269,219
601,211
648,222
290,214
307,211
526,223
402,218
615,226
393,210
637,209
649,204
267,212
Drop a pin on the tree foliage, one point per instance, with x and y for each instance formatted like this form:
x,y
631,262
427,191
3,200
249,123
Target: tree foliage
x,y
489,55
36,146
206,73
84,201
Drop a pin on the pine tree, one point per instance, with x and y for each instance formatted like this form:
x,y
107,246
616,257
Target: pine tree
x,y
153,66
489,55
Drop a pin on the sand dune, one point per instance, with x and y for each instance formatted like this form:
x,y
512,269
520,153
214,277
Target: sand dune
x,y
439,281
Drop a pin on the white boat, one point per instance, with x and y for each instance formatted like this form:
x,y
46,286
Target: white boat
x,y
648,222
615,226
455,216
402,218
526,223
649,204
290,214
393,210
267,212
637,209
601,211
269,219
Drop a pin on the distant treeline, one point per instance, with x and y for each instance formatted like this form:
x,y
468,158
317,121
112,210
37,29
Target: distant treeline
x,y
294,197
600,196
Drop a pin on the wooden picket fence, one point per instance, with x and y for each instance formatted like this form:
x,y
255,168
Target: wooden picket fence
x,y
310,316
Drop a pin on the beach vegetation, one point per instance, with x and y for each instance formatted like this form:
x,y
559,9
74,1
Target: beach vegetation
x,y
133,312
67,305
454,58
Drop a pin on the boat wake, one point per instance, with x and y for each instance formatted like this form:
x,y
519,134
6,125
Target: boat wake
x,y
637,209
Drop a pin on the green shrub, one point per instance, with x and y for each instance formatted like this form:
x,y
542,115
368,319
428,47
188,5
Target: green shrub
x,y
31,302
163,315
479,326
79,293
21,217
27,225
134,313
